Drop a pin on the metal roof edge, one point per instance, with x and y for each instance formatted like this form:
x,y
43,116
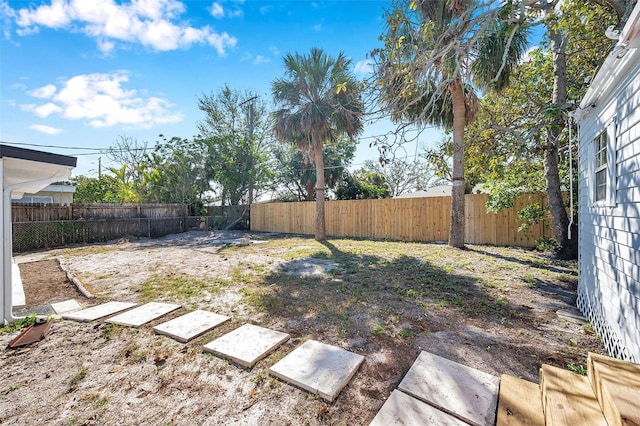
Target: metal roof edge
x,y
39,156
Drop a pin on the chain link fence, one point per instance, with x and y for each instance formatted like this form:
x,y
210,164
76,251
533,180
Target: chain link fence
x,y
28,236
34,233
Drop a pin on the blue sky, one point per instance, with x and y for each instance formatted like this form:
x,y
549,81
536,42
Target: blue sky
x,y
81,73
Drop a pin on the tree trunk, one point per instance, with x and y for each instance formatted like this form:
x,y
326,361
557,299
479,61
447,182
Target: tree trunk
x,y
310,188
567,249
456,231
321,234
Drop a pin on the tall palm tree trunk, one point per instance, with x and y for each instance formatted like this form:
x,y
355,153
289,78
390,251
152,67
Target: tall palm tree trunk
x,y
321,234
456,230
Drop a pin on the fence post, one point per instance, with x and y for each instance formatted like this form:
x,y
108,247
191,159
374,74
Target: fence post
x,y
148,226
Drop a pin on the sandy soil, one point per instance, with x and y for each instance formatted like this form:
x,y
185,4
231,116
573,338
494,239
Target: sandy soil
x,y
87,374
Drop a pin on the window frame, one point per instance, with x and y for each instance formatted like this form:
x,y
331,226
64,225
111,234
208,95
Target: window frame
x,y
603,160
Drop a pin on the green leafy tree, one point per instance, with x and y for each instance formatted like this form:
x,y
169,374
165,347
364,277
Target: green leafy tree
x,y
126,190
238,135
295,172
520,136
89,190
362,184
176,172
434,54
318,101
129,153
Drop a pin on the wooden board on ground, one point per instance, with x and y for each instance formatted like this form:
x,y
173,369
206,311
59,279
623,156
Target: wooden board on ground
x,y
617,387
568,399
519,403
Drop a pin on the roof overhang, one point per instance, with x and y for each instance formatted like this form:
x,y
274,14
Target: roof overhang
x,y
23,170
29,167
615,67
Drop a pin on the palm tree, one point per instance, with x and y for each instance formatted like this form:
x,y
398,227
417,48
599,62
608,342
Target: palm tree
x,y
318,101
436,52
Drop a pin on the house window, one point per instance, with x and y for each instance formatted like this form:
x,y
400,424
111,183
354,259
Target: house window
x,y
33,199
601,166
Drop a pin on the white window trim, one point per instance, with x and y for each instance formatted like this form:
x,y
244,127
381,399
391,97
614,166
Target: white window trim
x,y
612,142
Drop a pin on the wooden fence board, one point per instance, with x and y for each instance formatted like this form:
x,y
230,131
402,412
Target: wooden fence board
x,y
55,212
403,219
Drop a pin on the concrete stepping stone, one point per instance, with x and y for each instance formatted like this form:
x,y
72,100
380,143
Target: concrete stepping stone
x,y
99,311
247,344
401,409
66,306
318,368
191,325
467,393
143,314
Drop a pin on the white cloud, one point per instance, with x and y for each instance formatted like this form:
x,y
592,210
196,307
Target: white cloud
x,y
217,10
43,92
265,9
364,67
221,41
260,60
47,109
106,47
46,129
235,13
152,23
317,27
102,101
53,16
274,50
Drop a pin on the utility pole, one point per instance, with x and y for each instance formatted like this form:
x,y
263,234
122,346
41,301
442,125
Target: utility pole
x,y
99,167
250,134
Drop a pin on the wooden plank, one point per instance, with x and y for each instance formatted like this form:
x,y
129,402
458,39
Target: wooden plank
x,y
519,403
568,399
616,384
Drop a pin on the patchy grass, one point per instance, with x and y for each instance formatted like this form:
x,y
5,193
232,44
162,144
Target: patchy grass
x,y
82,251
109,330
77,378
178,287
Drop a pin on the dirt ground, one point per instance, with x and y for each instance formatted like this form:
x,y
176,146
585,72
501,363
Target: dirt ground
x,y
490,308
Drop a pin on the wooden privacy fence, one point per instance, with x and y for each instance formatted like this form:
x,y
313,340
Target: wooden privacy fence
x,y
404,219
54,212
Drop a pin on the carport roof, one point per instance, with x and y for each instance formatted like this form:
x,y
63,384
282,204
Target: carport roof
x,y
23,170
24,165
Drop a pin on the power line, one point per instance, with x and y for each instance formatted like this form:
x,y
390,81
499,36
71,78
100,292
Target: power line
x,y
51,146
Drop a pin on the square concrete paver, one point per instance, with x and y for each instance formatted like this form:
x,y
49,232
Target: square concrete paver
x,y
66,306
191,325
318,368
143,314
402,409
98,311
247,345
465,392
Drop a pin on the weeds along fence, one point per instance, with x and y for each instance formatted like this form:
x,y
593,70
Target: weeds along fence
x,y
40,226
404,219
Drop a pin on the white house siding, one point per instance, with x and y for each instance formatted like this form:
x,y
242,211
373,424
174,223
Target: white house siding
x,y
609,231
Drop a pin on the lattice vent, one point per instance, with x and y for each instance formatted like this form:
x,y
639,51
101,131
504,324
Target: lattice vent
x,y
592,311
